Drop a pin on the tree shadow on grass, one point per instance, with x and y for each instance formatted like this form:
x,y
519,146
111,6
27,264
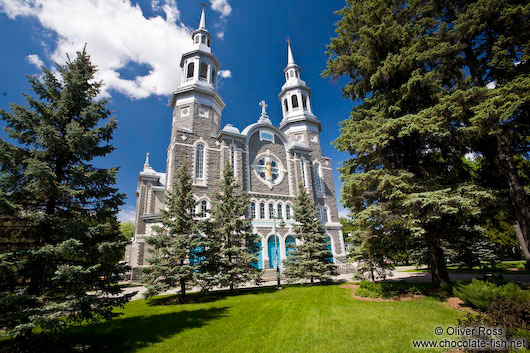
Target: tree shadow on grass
x,y
193,298
133,333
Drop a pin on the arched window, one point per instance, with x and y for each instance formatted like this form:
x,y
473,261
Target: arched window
x,y
325,215
319,214
203,39
280,211
287,212
204,208
197,38
191,68
304,102
294,101
318,184
252,210
262,210
203,72
271,211
199,161
286,105
208,42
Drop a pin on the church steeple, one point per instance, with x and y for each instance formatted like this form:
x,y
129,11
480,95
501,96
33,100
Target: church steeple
x,y
295,95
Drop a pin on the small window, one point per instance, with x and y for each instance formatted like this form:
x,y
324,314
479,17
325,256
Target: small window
x,y
266,136
185,111
204,208
297,74
252,210
294,101
262,210
325,215
208,42
271,211
199,161
280,211
287,212
203,39
319,215
197,39
304,102
302,166
214,76
203,72
191,68
286,105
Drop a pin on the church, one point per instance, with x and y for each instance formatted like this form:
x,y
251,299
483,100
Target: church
x,y
268,161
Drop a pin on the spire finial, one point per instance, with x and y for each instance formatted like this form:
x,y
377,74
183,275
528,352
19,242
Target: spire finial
x,y
290,59
202,24
146,164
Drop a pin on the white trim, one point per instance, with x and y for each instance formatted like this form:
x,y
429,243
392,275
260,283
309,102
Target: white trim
x,y
204,180
281,168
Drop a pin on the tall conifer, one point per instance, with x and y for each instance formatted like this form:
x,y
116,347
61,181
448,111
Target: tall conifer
x,y
175,245
311,258
60,239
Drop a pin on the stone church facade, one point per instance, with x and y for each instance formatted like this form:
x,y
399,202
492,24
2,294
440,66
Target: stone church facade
x,y
268,161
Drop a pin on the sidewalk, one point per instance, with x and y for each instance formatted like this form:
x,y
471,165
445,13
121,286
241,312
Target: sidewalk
x,y
397,275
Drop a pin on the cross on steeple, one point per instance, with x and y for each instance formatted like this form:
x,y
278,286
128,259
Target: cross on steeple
x,y
288,41
263,107
203,4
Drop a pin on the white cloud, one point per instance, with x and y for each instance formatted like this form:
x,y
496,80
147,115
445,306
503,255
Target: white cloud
x,y
35,60
221,35
116,33
225,73
344,213
127,214
221,6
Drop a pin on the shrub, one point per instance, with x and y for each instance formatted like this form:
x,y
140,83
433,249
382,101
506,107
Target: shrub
x,y
386,289
480,293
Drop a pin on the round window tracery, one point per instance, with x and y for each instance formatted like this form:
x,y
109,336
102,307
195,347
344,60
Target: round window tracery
x,y
269,170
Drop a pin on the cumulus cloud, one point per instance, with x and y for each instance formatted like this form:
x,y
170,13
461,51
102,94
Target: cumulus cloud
x,y
225,73
127,214
116,33
35,60
221,6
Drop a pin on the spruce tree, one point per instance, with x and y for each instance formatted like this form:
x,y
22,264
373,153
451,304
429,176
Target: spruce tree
x,y
231,245
60,239
407,162
311,258
174,245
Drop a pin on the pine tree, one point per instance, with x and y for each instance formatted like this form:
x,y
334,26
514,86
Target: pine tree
x,y
60,239
174,244
407,162
311,258
230,244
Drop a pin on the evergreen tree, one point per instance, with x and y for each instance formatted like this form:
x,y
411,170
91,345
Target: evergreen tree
x,y
60,239
407,163
311,259
175,244
230,245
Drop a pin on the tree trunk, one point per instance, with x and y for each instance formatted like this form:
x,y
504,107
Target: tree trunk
x,y
518,196
183,289
439,272
523,243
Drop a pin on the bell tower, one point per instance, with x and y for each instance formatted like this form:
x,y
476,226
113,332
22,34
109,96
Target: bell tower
x,y
298,123
197,106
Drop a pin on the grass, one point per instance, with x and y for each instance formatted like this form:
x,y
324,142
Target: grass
x,y
295,319
502,267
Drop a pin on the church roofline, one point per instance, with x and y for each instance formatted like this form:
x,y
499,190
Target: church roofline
x,y
250,129
201,89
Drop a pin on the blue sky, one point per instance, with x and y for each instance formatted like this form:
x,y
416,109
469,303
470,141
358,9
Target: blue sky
x,y
137,46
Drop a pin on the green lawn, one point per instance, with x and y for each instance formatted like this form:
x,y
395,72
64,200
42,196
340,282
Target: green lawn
x,y
295,319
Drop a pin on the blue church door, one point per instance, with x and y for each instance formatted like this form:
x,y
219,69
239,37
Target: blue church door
x,y
290,245
272,251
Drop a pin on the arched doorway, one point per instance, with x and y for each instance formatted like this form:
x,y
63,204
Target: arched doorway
x,y
256,248
330,259
272,251
290,245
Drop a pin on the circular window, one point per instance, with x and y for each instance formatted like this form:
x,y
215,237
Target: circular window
x,y
269,169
